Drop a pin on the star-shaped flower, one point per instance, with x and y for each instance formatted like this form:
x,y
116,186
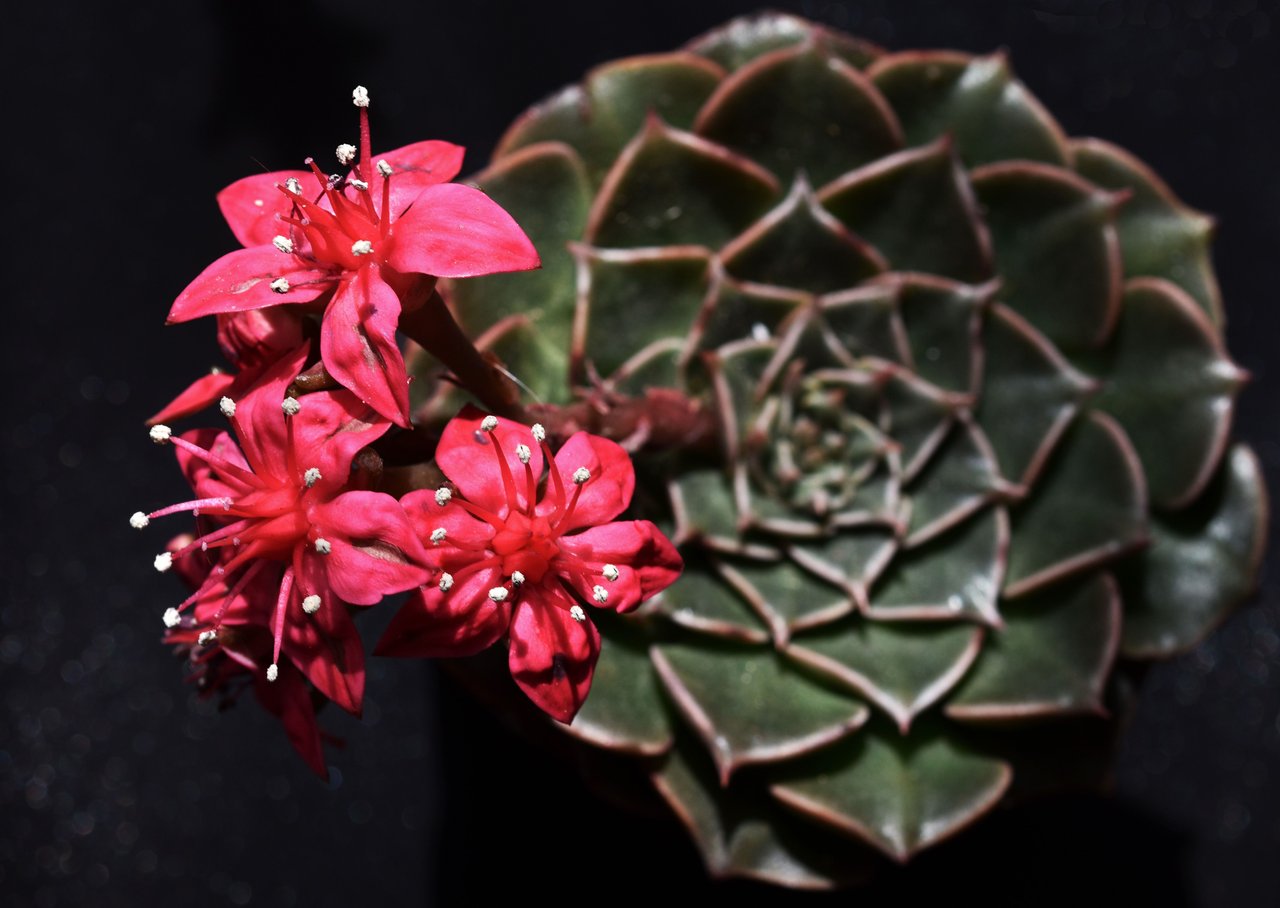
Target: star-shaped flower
x,y
358,248
282,503
520,555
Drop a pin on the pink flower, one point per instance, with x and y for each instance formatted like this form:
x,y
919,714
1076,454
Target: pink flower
x,y
227,638
515,563
359,249
283,507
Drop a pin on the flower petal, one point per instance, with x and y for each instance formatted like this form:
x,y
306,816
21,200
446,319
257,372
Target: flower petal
x,y
241,280
327,649
456,231
358,344
250,206
265,434
199,394
608,491
259,337
211,481
466,456
646,561
415,167
289,699
552,656
461,529
374,551
461,622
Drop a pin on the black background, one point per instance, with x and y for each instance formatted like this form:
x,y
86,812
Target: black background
x,y
117,788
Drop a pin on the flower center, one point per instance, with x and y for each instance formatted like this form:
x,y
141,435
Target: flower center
x,y
526,545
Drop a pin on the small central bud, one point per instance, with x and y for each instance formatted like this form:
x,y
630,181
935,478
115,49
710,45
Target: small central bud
x,y
311,477
345,153
361,247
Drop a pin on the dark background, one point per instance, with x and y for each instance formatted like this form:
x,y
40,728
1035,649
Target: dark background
x,y
118,788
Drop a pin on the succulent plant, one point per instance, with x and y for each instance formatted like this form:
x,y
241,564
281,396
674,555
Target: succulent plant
x,y
969,411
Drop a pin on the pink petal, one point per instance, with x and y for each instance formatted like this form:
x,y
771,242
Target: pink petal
x,y
327,649
358,344
646,561
374,551
456,231
415,167
241,280
466,456
200,394
257,338
551,656
461,529
251,205
289,699
461,622
211,481
608,491
258,412
330,429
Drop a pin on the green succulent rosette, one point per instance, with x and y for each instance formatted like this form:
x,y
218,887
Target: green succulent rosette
x,y
973,410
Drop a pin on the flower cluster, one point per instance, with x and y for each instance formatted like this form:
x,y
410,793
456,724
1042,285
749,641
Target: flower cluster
x,y
295,533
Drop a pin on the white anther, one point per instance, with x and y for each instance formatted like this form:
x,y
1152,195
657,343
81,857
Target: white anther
x,y
446,582
346,153
610,572
360,185
171,617
323,547
283,243
273,672
489,423
600,594
228,407
311,604
360,97
293,186
581,475
161,434
577,614
539,433
523,452
311,477
139,520
291,406
517,578
443,494
164,561
384,168
498,594
361,247
438,535
207,637
279,285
